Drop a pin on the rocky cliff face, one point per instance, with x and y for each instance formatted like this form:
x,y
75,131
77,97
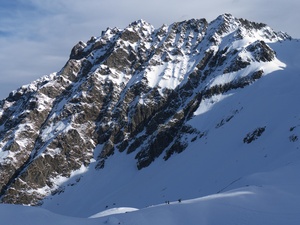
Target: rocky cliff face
x,y
130,90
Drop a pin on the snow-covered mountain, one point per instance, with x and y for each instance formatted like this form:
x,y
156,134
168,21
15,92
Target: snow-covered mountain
x,y
149,118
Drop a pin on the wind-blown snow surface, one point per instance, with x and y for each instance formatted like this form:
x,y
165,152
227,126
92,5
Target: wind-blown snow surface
x,y
220,178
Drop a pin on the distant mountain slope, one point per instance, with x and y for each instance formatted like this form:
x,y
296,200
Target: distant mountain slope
x,y
141,116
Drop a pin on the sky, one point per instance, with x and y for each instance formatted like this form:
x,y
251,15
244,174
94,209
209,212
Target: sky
x,y
36,36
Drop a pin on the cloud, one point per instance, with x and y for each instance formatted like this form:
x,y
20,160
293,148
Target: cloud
x,y
36,36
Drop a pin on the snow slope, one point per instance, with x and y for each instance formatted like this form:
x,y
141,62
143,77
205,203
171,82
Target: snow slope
x,y
274,200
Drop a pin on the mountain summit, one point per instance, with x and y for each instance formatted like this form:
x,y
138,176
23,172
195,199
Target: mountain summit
x,y
140,116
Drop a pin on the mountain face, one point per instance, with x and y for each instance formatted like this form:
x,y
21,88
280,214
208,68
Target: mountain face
x,y
136,92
